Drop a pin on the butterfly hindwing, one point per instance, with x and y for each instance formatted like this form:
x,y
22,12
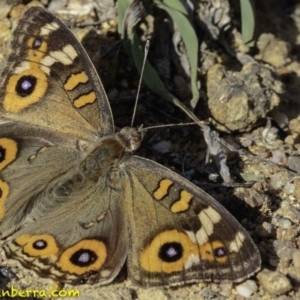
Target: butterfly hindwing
x,y
79,235
183,234
30,158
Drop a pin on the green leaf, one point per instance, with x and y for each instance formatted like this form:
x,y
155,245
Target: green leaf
x,y
248,21
122,6
150,77
173,4
179,16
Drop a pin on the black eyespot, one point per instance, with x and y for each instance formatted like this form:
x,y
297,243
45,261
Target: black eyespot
x,y
37,43
220,252
83,257
26,85
40,244
2,154
170,252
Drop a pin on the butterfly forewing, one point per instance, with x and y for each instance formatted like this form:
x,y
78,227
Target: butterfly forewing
x,y
49,80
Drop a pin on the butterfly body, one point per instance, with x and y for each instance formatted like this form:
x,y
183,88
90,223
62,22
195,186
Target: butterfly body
x,y
74,202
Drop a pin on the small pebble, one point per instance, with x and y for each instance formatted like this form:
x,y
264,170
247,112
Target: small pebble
x,y
286,223
266,230
278,156
278,180
7,272
281,118
225,289
246,288
296,258
289,140
274,283
162,147
144,294
289,188
293,163
284,249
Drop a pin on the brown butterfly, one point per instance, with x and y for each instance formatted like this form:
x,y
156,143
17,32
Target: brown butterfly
x,y
74,202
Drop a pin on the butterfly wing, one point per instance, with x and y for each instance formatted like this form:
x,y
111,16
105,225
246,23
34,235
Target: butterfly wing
x,y
31,158
49,80
182,234
53,112
80,235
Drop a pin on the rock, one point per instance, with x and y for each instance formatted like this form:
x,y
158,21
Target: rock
x,y
237,100
252,197
274,283
296,258
145,294
223,289
272,50
246,288
266,230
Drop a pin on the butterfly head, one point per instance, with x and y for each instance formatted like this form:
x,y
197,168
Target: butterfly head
x,y
131,138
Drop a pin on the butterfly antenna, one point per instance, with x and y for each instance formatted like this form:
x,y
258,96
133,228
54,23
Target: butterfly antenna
x,y
166,126
141,78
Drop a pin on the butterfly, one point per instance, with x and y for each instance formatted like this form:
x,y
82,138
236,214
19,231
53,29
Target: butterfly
x,y
75,203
